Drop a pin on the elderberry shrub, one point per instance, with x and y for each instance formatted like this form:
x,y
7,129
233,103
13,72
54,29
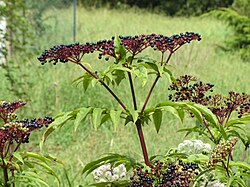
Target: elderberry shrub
x,y
132,44
187,88
17,130
165,175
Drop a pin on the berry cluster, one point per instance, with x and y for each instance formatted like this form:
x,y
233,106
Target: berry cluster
x,y
65,53
222,107
7,109
165,175
19,131
132,44
186,89
136,44
221,151
106,48
165,43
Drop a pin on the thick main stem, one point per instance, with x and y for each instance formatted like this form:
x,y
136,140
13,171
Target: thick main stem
x,y
138,122
142,141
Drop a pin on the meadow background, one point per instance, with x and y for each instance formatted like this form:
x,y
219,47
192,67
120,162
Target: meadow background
x,y
49,90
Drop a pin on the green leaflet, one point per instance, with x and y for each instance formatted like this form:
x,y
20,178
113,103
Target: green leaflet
x,y
85,79
241,120
119,50
44,158
115,118
113,159
18,157
157,116
243,165
96,117
120,183
81,116
48,169
142,73
30,178
59,122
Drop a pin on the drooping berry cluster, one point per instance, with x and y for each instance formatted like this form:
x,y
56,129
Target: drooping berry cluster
x,y
7,109
165,175
186,89
19,131
132,44
221,151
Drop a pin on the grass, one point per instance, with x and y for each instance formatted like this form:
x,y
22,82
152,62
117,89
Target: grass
x,y
49,88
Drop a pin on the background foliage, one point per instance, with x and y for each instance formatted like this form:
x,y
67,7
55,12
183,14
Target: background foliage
x,y
170,7
51,92
238,17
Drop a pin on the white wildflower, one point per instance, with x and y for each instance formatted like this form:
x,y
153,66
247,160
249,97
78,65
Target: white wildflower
x,y
216,184
207,147
193,147
122,168
107,173
123,174
115,177
102,180
116,170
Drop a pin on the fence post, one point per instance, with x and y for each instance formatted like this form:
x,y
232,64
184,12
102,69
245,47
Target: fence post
x,y
74,26
2,34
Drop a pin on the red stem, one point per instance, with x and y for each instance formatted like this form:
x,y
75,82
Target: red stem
x,y
132,90
5,172
104,84
154,83
142,141
149,93
11,156
212,136
138,122
244,154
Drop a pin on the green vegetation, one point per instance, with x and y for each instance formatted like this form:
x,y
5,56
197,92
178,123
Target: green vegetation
x,y
50,91
170,7
238,17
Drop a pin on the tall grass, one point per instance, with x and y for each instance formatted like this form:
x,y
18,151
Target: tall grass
x,y
50,90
